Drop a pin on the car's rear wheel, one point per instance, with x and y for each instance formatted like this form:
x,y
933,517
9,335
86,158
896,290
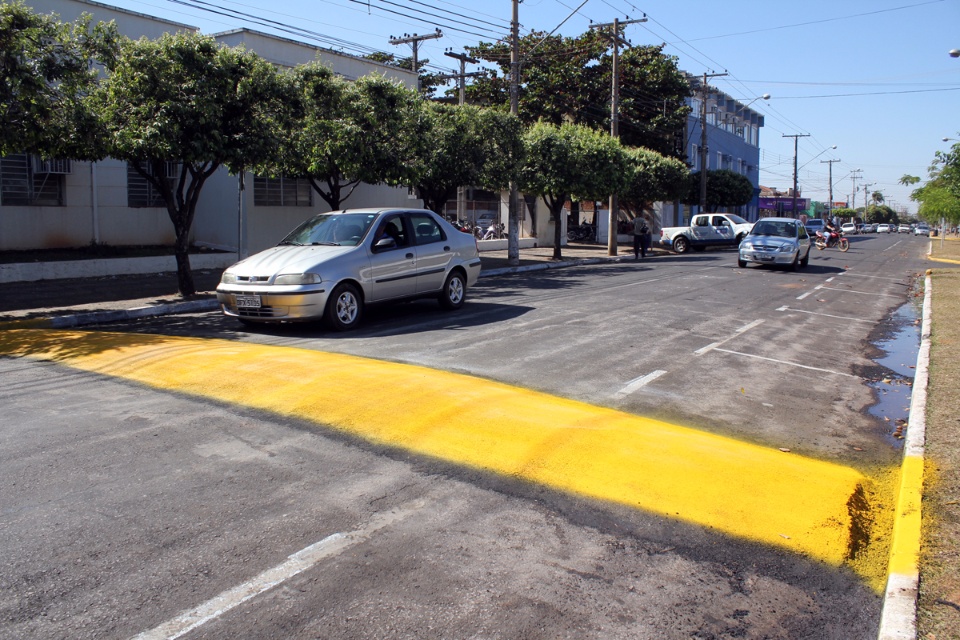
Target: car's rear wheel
x,y
454,291
680,244
344,308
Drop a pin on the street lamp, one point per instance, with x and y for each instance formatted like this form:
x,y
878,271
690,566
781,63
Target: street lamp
x,y
954,53
950,139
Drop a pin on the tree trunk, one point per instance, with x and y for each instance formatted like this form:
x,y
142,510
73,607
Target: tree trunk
x,y
184,274
556,210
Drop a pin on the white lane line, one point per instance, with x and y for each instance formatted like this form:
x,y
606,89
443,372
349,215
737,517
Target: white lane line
x,y
865,293
746,327
788,363
297,563
830,279
636,383
804,295
863,275
825,315
892,246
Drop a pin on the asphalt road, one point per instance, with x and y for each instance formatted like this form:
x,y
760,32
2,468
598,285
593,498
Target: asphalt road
x,y
129,509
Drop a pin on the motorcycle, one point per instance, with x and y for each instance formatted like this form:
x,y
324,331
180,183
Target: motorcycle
x,y
834,239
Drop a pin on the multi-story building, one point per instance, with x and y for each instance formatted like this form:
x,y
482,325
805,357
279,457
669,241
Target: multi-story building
x,y
732,142
64,203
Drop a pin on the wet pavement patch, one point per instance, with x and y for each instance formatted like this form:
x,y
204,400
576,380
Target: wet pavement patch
x,y
894,388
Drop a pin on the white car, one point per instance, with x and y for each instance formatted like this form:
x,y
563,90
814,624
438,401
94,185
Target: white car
x,y
904,228
921,230
884,228
849,228
336,263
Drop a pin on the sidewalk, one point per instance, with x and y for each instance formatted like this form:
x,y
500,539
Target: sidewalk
x,y
74,302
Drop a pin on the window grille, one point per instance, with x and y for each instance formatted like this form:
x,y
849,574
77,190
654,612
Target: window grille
x,y
140,191
20,185
282,192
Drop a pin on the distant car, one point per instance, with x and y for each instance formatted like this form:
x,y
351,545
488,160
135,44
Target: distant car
x,y
777,241
921,230
813,225
849,228
904,228
335,264
884,228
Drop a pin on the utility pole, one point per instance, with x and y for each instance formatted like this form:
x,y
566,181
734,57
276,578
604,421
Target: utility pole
x,y
866,199
704,157
461,83
414,41
795,136
513,232
829,163
853,198
614,216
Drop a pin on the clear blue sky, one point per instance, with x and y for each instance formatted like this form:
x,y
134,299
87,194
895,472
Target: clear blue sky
x,y
871,76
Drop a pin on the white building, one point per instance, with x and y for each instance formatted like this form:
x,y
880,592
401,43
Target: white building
x,y
71,204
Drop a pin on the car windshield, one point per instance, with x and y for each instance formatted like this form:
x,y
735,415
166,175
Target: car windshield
x,y
336,229
737,219
768,228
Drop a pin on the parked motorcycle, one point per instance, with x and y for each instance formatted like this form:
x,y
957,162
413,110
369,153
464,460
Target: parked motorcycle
x,y
836,239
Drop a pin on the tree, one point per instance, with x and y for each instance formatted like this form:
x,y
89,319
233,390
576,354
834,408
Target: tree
x,y
725,188
464,146
939,198
568,80
185,102
343,133
45,65
428,81
876,197
571,161
652,178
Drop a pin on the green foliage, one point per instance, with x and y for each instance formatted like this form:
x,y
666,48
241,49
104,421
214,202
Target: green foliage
x,y
342,133
463,146
880,214
568,80
45,66
652,178
428,81
939,198
571,161
185,98
725,188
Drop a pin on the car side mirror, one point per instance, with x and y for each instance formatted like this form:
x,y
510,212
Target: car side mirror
x,y
386,242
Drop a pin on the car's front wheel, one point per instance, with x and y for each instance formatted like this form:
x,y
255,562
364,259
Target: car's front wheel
x,y
741,263
344,307
454,291
806,259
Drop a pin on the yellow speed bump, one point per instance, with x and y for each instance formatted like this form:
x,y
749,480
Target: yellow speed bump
x,y
744,490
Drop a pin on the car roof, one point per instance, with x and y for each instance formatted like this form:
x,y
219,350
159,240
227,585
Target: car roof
x,y
778,220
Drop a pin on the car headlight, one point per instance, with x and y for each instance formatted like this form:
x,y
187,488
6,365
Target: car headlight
x,y
746,245
787,248
297,278
228,278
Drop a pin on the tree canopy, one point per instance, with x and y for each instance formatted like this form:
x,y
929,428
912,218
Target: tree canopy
x,y
186,101
46,73
725,188
939,198
568,80
652,178
571,161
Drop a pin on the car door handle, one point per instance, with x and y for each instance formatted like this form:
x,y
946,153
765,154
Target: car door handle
x,y
410,256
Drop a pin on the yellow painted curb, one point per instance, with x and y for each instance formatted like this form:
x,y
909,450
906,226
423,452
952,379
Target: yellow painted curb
x,y
741,489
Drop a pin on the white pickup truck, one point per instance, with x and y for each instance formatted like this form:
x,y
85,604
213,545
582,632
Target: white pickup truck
x,y
706,230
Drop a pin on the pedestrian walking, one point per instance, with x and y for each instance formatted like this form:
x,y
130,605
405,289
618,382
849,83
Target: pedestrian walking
x,y
641,237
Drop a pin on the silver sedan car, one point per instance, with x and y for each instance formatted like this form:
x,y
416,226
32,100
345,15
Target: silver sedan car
x,y
334,264
777,241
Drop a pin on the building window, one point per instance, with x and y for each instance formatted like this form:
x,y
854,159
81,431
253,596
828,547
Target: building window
x,y
282,192
141,192
26,181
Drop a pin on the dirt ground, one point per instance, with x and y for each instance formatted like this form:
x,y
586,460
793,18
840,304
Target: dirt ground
x,y
939,603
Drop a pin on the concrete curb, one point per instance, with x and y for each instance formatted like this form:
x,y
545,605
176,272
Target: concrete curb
x,y
542,266
899,617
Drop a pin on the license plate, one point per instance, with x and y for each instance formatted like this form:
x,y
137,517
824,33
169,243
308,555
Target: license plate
x,y
248,302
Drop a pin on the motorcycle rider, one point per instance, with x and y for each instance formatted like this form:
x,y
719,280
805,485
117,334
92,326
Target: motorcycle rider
x,y
830,231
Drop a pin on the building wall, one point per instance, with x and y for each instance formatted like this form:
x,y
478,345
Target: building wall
x,y
95,194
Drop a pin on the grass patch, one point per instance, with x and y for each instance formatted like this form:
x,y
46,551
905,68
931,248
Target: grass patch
x,y
945,249
939,602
